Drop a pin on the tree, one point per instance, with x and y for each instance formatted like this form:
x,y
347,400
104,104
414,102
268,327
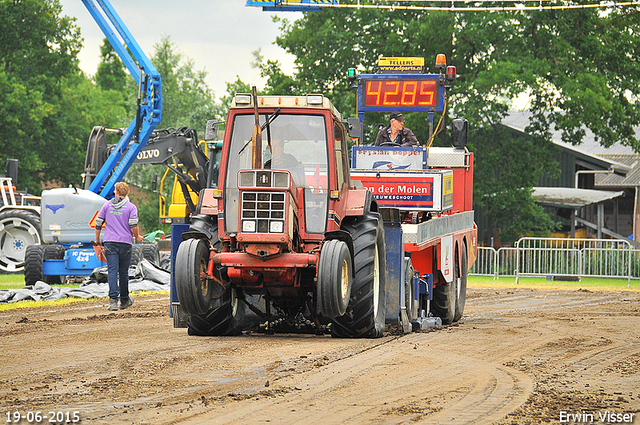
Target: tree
x,y
277,81
38,66
111,73
503,179
579,68
234,88
187,99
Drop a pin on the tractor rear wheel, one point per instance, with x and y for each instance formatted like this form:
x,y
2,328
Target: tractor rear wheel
x,y
334,278
192,287
18,230
226,316
365,315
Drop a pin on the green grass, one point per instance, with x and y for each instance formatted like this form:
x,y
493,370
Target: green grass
x,y
16,281
591,283
11,281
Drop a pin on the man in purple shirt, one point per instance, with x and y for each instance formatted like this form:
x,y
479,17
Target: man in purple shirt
x,y
120,219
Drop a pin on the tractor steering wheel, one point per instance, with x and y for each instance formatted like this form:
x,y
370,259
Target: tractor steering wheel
x,y
394,144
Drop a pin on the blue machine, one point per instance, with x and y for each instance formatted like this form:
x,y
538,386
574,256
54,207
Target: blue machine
x,y
149,110
68,214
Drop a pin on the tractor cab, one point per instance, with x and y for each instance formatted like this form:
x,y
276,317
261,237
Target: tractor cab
x,y
287,193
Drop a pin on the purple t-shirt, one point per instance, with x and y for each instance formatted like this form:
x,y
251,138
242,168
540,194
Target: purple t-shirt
x,y
119,216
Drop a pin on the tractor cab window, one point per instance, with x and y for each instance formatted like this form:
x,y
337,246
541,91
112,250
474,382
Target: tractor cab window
x,y
299,145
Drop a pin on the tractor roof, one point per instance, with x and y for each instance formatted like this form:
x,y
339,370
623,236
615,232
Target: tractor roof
x,y
310,101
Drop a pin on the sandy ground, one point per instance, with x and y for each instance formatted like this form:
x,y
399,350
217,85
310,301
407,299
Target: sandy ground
x,y
519,356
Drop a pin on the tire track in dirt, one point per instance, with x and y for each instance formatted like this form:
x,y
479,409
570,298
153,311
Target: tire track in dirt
x,y
404,391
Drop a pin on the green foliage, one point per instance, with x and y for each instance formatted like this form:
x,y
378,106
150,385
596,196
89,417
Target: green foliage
x,y
38,65
503,178
187,99
111,73
232,89
277,82
147,203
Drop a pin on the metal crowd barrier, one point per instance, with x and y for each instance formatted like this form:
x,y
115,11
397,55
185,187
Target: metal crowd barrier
x,y
560,257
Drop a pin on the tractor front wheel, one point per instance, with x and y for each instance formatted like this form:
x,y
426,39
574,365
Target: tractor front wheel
x,y
334,278
192,287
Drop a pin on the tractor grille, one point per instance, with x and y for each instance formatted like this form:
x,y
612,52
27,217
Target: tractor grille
x,y
263,212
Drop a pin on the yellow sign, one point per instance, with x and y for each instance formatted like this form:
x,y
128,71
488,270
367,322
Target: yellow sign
x,y
447,191
401,64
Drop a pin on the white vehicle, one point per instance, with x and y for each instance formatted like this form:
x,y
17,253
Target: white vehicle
x,y
19,225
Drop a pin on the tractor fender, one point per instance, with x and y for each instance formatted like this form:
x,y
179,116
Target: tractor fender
x,y
203,226
344,236
360,202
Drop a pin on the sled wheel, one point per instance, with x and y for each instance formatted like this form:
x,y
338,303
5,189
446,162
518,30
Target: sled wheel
x,y
179,317
462,275
136,255
411,304
226,316
192,287
334,278
365,315
445,296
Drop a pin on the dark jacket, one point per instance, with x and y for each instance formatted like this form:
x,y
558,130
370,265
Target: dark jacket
x,y
407,138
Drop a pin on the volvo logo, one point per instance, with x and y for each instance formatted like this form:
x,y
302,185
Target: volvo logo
x,y
148,154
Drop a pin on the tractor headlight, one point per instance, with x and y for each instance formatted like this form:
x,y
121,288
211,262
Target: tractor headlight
x,y
248,226
276,227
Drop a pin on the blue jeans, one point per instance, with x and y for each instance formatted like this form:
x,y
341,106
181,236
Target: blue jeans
x,y
118,260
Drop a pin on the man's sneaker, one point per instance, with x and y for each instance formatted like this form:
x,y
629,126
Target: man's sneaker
x,y
113,304
126,304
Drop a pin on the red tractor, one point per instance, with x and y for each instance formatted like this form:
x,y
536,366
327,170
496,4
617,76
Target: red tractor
x,y
287,233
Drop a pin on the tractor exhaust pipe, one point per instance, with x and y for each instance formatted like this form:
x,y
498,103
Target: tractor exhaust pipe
x,y
256,137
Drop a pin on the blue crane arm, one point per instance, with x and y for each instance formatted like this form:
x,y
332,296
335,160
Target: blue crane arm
x,y
149,108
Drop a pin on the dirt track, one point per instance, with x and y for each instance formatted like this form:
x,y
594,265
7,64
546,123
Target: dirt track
x,y
518,356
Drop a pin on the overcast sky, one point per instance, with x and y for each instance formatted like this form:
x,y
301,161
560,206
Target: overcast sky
x,y
218,35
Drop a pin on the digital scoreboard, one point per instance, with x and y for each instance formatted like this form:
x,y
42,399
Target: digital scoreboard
x,y
405,93
400,93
